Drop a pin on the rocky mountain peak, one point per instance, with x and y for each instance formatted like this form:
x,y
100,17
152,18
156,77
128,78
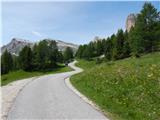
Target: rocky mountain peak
x,y
130,22
20,40
15,45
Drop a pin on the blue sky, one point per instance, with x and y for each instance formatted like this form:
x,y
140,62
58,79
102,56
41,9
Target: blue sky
x,y
76,22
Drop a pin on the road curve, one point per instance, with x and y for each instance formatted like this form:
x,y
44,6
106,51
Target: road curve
x,y
48,97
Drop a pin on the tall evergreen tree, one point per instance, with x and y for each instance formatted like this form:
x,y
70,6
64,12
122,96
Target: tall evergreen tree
x,y
79,52
68,54
43,54
150,17
136,41
143,37
25,58
103,45
87,53
6,62
118,45
126,47
15,63
53,53
156,42
99,47
108,49
91,49
60,57
35,57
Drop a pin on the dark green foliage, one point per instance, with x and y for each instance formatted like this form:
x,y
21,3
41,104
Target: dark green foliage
x,y
25,58
80,51
118,45
92,49
99,47
108,49
150,17
68,54
156,42
143,38
60,57
136,43
53,53
6,62
15,62
126,47
35,56
44,56
103,45
87,54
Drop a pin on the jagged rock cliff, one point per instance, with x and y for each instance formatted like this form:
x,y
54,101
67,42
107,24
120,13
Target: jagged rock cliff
x,y
131,19
16,45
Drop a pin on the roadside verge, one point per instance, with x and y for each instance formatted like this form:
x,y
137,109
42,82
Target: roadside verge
x,y
72,88
9,93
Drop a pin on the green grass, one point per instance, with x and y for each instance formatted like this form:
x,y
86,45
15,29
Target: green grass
x,y
20,74
127,89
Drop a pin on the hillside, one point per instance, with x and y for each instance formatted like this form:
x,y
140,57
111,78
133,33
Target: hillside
x,y
125,89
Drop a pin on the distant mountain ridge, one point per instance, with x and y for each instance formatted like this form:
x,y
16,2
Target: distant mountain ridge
x,y
17,44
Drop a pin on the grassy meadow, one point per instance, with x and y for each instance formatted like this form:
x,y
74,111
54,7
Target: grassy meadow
x,y
20,74
127,89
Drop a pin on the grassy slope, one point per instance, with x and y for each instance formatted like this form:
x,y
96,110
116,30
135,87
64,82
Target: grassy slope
x,y
128,89
16,75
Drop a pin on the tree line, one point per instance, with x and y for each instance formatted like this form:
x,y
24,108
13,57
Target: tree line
x,y
143,38
43,56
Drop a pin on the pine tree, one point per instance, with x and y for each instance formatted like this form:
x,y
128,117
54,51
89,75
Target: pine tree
x,y
108,49
136,41
149,16
103,45
68,54
25,58
126,47
99,47
60,57
35,57
143,37
87,54
91,49
118,45
6,62
43,55
79,52
156,42
15,62
53,53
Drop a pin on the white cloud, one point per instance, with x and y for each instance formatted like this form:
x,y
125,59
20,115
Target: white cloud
x,y
36,33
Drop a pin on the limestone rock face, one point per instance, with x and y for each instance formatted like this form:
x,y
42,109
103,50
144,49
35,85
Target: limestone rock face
x,y
131,19
16,45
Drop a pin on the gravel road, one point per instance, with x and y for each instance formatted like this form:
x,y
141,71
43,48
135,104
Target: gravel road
x,y
48,97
